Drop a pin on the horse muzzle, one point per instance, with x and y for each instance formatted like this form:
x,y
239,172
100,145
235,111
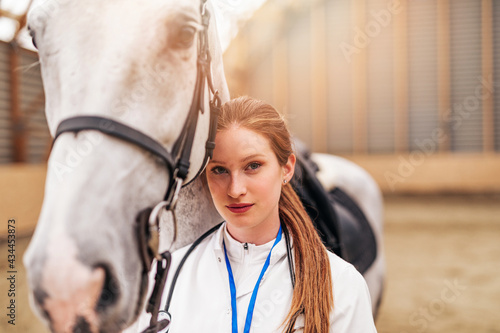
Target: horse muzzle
x,y
73,296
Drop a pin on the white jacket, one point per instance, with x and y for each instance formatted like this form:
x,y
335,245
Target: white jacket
x,y
202,303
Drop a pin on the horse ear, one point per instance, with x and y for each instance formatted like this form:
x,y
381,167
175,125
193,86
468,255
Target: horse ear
x,y
230,16
218,76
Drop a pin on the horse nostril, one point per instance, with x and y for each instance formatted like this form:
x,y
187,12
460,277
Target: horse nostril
x,y
39,296
70,294
82,326
110,291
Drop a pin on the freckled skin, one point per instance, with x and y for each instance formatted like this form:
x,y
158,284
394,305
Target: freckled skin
x,y
245,170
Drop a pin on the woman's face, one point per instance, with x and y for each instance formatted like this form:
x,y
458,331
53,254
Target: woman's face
x,y
245,181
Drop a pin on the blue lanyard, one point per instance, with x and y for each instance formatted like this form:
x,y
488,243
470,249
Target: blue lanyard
x,y
232,287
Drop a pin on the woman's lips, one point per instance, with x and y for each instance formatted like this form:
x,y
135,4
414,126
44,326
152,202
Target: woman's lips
x,y
239,208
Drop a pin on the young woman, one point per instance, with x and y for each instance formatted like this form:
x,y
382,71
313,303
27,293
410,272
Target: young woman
x,y
265,268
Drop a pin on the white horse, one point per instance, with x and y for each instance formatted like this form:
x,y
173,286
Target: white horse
x,y
136,63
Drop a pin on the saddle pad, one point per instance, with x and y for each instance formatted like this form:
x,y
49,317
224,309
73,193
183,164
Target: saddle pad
x,y
341,224
358,243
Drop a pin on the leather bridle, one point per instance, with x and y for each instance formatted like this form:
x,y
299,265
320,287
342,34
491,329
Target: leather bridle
x,y
177,163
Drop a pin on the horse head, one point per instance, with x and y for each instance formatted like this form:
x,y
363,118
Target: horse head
x,y
135,63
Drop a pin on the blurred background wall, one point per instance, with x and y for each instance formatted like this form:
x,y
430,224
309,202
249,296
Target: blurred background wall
x,y
407,89
24,136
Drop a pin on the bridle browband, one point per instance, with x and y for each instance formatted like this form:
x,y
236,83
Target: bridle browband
x,y
177,163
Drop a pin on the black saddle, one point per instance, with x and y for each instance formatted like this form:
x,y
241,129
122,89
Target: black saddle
x,y
340,222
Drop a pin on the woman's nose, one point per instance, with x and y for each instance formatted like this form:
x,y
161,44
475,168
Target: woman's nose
x,y
236,187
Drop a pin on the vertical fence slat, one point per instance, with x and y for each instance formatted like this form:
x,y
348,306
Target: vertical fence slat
x,y
359,102
280,75
401,78
318,78
19,135
487,72
443,43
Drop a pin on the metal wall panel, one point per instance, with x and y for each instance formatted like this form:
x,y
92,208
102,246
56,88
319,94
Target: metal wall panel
x,y
262,88
496,74
348,24
5,118
466,71
423,90
31,102
299,95
379,32
339,77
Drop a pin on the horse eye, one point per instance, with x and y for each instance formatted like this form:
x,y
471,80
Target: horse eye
x,y
185,37
32,34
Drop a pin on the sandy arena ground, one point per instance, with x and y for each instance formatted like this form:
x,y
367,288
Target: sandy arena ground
x,y
443,256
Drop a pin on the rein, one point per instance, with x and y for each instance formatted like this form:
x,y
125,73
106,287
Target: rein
x,y
177,163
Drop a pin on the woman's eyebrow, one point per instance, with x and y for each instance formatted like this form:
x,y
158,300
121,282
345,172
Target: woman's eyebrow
x,y
245,159
251,157
215,162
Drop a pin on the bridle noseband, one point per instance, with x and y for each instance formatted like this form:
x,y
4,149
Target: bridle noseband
x,y
177,163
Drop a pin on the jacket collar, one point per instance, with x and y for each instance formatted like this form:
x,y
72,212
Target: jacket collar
x,y
235,253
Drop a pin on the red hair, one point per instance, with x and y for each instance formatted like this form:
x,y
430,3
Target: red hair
x,y
313,294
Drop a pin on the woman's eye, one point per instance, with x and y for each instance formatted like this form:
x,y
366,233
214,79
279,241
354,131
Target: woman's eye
x,y
218,170
254,166
185,37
